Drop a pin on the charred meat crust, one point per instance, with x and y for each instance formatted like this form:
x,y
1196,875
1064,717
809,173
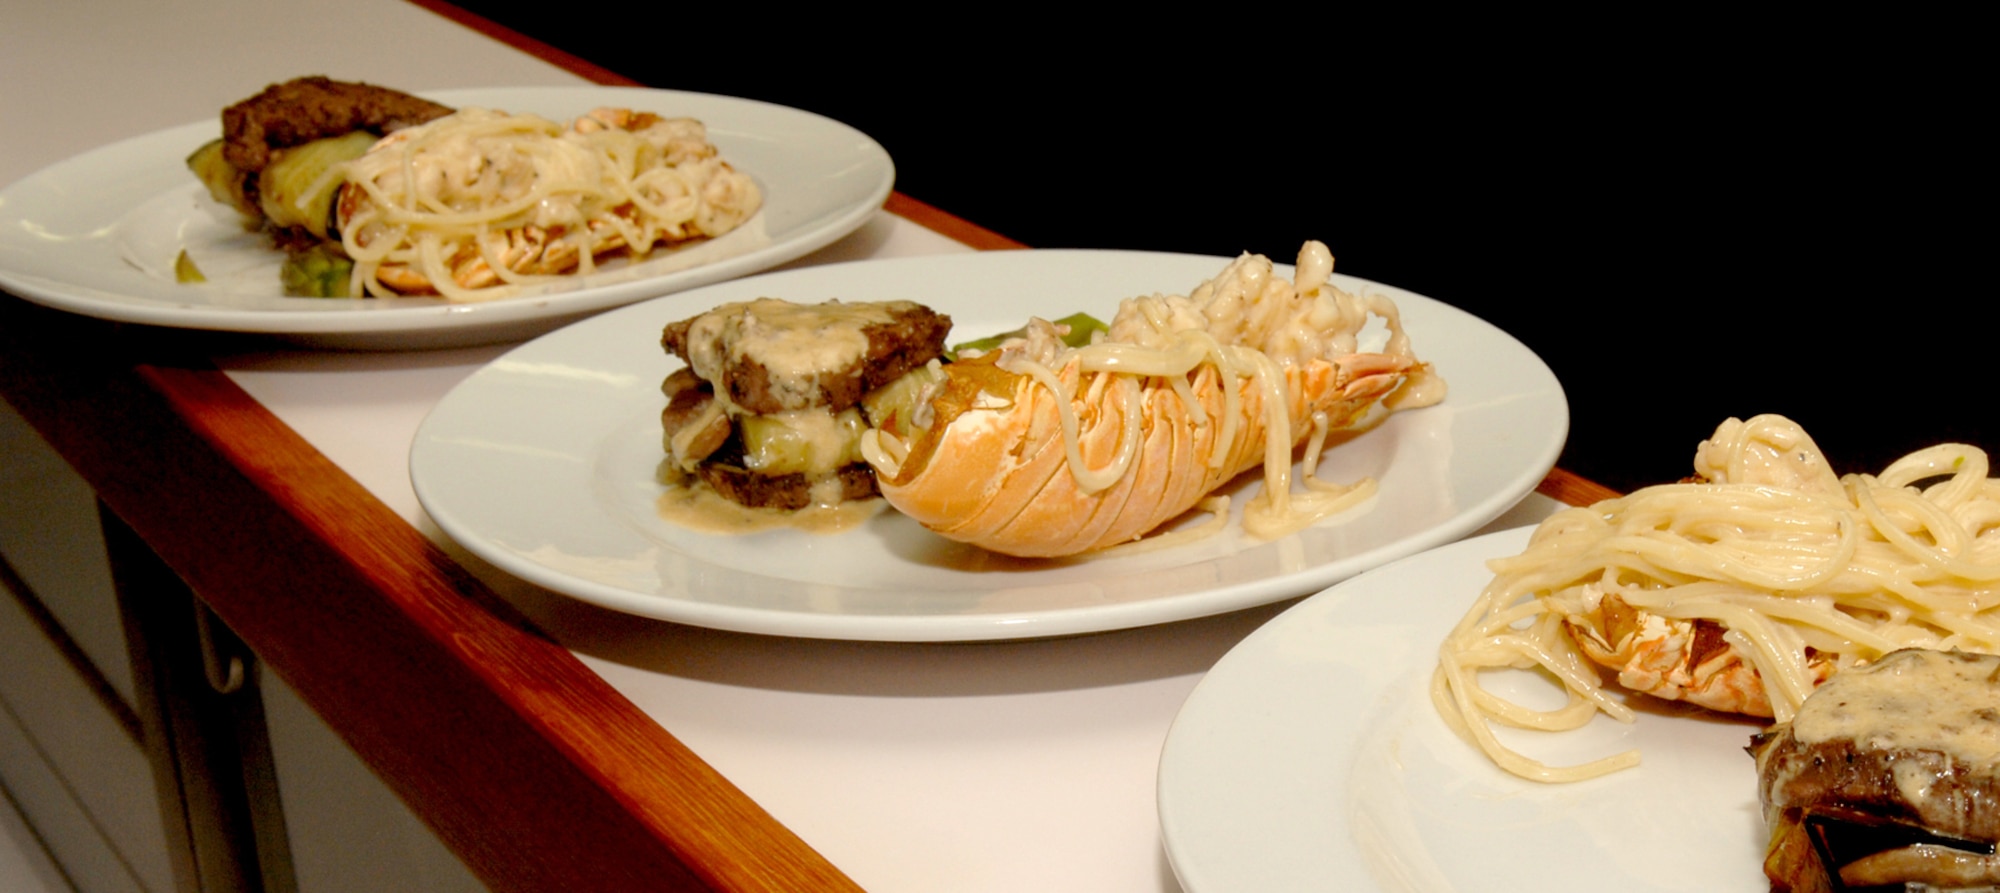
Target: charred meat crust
x,y
304,109
1959,800
914,338
1856,782
789,492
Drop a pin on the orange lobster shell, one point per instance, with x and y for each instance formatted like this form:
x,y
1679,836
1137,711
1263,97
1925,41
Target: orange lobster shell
x,y
995,471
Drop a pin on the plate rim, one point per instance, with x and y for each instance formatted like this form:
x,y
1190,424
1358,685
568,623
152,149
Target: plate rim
x,y
1191,865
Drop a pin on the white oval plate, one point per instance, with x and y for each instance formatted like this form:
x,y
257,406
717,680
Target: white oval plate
x,y
1310,758
98,234
544,463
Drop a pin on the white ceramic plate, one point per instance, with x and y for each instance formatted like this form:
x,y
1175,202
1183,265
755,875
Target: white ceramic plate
x,y
98,234
1309,758
544,463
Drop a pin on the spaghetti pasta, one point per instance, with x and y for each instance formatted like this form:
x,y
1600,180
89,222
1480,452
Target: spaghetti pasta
x,y
477,203
1740,591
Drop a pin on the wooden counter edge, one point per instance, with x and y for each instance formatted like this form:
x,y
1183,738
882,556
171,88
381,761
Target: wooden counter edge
x,y
945,224
536,772
1571,489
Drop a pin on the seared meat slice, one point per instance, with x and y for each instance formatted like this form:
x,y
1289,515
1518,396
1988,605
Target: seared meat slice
x,y
770,356
789,492
1890,772
299,111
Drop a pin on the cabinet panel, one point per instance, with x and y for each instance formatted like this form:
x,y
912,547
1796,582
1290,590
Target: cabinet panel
x,y
49,533
95,781
25,865
63,826
347,830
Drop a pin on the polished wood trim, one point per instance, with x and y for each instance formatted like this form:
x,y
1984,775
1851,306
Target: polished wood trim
x,y
559,58
1565,487
530,767
943,223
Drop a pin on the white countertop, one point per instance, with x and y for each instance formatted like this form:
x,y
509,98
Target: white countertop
x,y
1000,766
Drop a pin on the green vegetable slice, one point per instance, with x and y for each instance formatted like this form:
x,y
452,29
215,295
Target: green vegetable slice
x,y
1081,327
321,271
185,271
300,187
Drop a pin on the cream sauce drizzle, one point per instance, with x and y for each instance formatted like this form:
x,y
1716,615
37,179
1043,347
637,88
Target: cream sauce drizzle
x,y
796,342
479,181
1914,700
1247,323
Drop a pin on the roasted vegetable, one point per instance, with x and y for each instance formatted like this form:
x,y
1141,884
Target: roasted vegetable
x,y
295,191
299,187
226,183
185,271
320,271
1081,327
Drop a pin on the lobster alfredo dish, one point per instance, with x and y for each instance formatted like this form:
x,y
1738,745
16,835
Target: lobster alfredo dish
x,y
1042,448
1740,591
377,193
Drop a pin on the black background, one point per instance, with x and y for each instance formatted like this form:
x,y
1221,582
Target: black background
x,y
1687,221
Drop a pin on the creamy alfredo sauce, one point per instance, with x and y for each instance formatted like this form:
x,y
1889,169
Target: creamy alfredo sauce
x,y
489,185
796,342
1916,700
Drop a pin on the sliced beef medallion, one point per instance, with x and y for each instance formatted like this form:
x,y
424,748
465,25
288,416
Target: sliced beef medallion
x,y
1889,774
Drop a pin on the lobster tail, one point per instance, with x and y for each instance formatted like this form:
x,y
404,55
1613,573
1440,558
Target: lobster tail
x,y
1040,449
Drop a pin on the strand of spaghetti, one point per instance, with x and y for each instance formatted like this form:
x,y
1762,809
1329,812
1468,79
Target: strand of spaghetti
x,y
1183,352
1968,632
1573,715
1511,760
1967,467
1498,645
1500,612
1950,540
1586,696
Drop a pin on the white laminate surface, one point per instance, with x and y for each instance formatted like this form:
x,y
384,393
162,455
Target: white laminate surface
x,y
80,75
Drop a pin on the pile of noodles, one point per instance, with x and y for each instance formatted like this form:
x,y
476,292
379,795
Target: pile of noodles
x,y
1803,569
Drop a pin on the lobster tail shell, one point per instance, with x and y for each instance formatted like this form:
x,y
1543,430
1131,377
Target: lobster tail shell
x,y
997,473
